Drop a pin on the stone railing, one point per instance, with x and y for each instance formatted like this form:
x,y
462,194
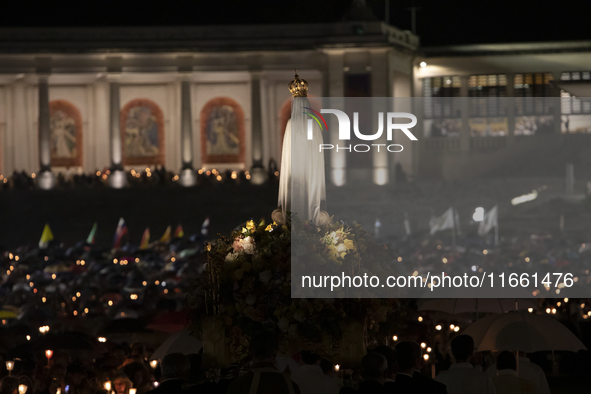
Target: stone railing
x,y
487,143
441,145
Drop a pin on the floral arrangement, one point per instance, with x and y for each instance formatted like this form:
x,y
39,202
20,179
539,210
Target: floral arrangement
x,y
247,282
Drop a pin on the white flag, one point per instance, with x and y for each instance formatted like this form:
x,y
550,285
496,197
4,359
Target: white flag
x,y
443,222
406,224
491,220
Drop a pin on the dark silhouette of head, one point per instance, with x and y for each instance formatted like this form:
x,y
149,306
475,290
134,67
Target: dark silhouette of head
x,y
175,366
8,385
390,355
407,356
264,346
462,347
373,366
309,357
506,360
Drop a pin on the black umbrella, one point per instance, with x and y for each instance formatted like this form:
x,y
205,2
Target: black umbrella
x,y
125,325
36,313
65,341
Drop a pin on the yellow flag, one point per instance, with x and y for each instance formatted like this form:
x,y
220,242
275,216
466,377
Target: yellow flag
x,y
179,233
145,240
166,236
46,237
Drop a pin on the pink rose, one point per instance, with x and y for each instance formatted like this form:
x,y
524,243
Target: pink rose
x,y
237,245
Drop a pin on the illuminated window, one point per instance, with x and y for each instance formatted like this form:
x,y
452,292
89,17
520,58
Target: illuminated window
x,y
434,90
531,87
576,76
571,104
485,91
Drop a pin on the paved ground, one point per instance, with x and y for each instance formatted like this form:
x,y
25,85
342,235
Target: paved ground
x,y
421,200
72,212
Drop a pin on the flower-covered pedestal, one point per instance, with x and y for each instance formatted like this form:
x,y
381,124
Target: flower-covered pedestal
x,y
246,287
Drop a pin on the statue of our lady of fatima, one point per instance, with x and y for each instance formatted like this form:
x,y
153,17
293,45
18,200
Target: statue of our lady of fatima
x,y
302,188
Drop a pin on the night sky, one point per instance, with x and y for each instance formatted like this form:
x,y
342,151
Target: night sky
x,y
439,22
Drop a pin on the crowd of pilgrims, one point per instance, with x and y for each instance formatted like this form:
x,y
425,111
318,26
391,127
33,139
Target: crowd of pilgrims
x,y
384,369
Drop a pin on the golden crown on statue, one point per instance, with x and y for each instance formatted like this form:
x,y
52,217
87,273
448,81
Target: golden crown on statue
x,y
298,87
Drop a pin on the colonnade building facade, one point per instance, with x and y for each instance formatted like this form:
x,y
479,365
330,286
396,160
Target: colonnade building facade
x,y
88,99
186,98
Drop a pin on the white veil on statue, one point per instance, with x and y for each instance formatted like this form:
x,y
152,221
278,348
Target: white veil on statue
x,y
302,187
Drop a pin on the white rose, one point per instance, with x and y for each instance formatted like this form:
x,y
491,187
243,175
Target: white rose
x,y
231,257
341,248
265,276
249,245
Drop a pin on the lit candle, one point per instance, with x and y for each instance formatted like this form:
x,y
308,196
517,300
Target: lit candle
x,y
48,354
156,384
426,357
108,387
154,364
22,389
9,366
337,367
132,391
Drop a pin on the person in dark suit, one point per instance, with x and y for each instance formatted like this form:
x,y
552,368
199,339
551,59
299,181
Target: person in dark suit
x,y
406,358
263,377
373,371
390,374
426,385
409,378
175,368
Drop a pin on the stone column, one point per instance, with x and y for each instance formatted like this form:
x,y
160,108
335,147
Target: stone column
x,y
380,82
258,173
510,105
556,104
117,178
465,137
336,92
46,179
101,145
187,176
18,130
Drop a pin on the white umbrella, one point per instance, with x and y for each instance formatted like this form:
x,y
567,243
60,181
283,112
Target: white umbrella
x,y
481,305
522,331
180,342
